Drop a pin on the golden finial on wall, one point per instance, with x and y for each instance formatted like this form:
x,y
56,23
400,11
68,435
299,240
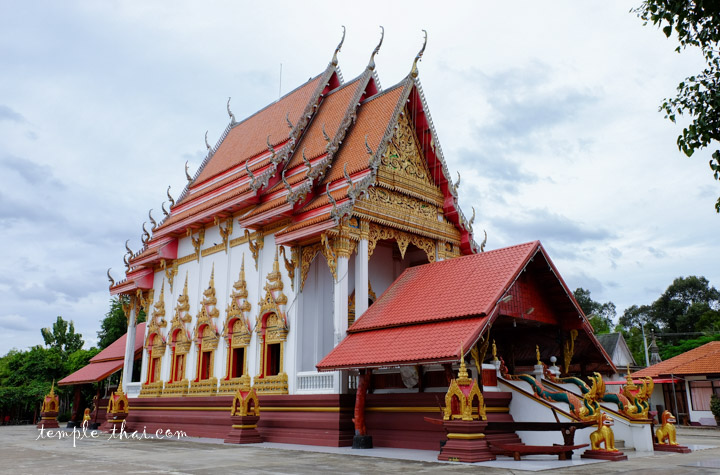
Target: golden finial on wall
x,y
537,354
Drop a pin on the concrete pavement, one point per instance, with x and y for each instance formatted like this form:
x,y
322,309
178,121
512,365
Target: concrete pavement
x,y
23,451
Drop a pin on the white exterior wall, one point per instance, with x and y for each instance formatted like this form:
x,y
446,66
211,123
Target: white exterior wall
x,y
694,415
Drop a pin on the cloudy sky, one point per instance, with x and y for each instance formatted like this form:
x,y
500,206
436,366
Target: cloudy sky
x,y
547,109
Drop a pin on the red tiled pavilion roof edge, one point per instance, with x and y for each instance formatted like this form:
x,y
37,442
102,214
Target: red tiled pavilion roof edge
x,y
107,362
704,359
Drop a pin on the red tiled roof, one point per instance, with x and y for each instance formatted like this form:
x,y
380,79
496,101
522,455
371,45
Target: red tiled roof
x,y
701,360
92,373
106,362
429,342
468,285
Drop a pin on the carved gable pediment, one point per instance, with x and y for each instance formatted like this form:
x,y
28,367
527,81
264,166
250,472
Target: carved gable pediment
x,y
404,168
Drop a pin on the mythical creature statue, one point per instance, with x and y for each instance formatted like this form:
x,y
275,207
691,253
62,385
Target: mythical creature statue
x,y
666,433
582,409
604,434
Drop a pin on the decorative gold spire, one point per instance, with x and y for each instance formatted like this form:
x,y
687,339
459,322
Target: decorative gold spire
x,y
119,390
494,351
371,63
463,377
52,388
414,70
334,60
537,354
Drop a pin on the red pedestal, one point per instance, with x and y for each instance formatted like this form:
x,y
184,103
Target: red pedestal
x,y
113,423
48,420
465,442
680,449
604,455
244,430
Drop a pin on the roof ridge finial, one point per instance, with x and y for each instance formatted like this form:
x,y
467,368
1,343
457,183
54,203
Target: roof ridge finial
x,y
285,182
207,145
371,63
187,172
170,198
232,116
334,60
414,70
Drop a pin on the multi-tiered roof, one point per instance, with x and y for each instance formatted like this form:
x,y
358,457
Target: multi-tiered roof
x,y
304,162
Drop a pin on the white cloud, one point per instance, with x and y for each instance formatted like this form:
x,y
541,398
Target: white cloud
x,y
553,124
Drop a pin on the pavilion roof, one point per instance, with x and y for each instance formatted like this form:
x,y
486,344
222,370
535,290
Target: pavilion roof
x,y
704,359
436,312
107,362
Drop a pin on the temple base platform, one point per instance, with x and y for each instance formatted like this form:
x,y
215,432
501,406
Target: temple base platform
x,y
393,420
604,455
48,420
680,449
244,430
465,442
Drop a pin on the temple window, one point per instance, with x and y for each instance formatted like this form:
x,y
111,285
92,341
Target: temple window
x,y
238,362
272,361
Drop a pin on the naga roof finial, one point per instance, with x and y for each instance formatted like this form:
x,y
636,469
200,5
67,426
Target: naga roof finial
x,y
414,70
334,60
371,63
127,248
152,220
457,183
112,281
367,146
165,212
172,201
207,145
187,172
472,219
232,116
287,119
250,174
332,200
146,235
347,177
482,246
285,182
325,135
305,160
270,147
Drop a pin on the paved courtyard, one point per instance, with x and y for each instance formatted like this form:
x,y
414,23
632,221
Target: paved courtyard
x,y
21,451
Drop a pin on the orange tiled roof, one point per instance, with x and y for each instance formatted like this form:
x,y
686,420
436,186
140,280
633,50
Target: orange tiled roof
x,y
249,137
701,360
372,120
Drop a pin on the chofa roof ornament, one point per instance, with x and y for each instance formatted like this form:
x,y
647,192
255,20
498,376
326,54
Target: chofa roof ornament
x,y
232,116
334,60
414,70
170,198
371,63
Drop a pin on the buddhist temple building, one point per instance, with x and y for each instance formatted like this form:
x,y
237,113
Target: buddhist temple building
x,y
320,252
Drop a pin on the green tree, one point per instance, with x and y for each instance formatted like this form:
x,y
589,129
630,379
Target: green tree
x,y
62,337
600,315
689,304
696,23
115,323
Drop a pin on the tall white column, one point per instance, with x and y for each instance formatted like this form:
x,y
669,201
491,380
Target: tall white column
x,y
340,288
130,344
340,310
361,271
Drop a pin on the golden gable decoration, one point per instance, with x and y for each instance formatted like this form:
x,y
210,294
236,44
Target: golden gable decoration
x,y
157,323
236,312
274,300
403,168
